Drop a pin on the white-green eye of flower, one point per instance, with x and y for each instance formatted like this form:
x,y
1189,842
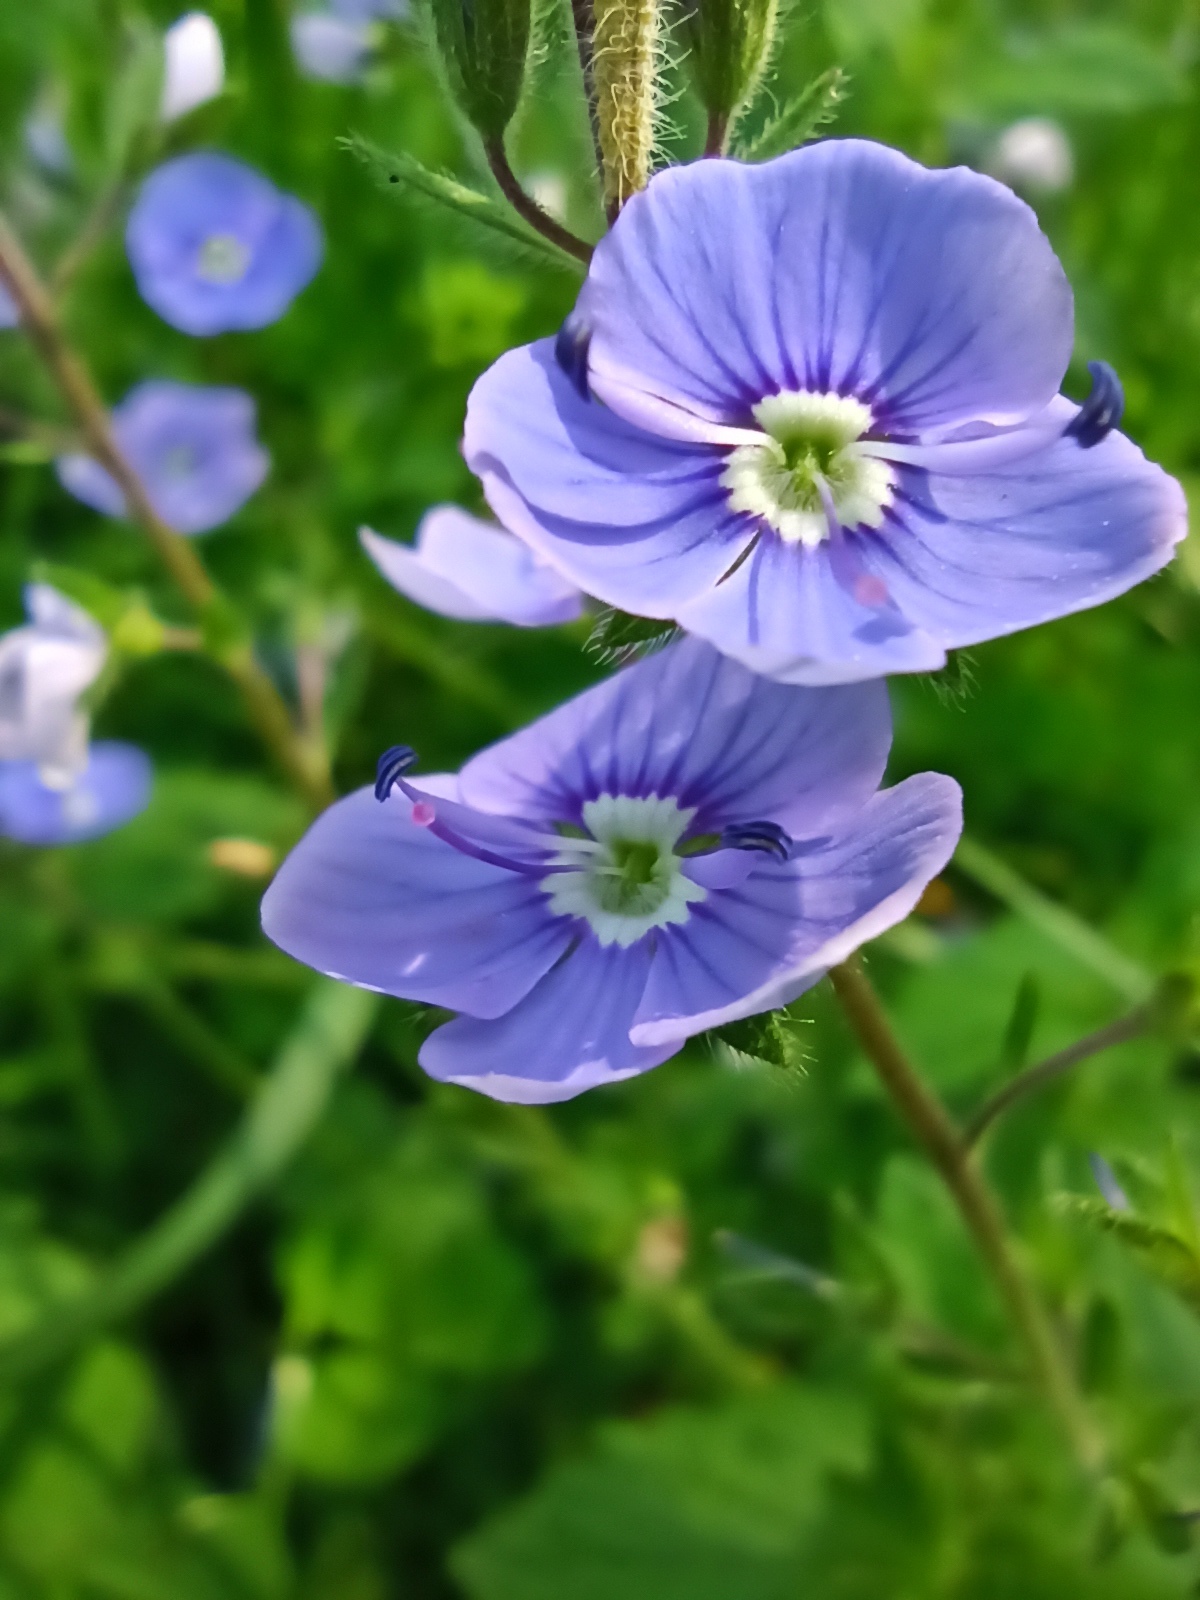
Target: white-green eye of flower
x,y
807,462
626,876
223,259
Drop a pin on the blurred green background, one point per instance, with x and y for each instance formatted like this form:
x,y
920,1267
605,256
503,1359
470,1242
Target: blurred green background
x,y
714,1334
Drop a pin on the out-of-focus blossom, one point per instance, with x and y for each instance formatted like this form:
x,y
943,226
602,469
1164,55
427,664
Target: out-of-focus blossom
x,y
331,48
111,788
44,668
549,189
369,10
809,411
472,570
194,66
9,315
334,43
194,449
1033,155
215,246
46,138
683,845
54,789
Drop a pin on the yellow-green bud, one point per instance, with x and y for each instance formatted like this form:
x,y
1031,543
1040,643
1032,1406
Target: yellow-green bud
x,y
626,50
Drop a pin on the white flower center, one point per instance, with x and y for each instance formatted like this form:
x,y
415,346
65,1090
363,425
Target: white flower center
x,y
626,877
222,259
808,463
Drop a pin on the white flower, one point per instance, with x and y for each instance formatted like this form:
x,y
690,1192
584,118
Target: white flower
x,y
45,667
195,65
1033,154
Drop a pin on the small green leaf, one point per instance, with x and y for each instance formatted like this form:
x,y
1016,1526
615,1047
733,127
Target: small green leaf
x,y
403,174
1161,1251
617,638
797,121
1018,1035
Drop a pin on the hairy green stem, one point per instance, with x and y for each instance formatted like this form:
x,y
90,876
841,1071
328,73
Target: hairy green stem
x,y
1036,1077
332,1026
932,1126
39,317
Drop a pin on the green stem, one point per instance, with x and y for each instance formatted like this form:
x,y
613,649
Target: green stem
x,y
326,1039
527,207
40,320
1067,930
930,1123
1036,1077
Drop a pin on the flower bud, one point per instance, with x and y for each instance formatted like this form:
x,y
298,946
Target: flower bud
x,y
484,44
729,45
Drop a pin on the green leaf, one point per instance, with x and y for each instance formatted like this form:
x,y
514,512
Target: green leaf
x,y
1082,68
1171,1260
797,121
618,638
699,1504
402,174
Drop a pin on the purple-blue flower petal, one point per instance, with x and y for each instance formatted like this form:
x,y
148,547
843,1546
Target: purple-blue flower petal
x,y
759,945
112,789
472,570
973,557
691,723
791,614
194,449
569,1034
639,522
840,267
371,898
194,199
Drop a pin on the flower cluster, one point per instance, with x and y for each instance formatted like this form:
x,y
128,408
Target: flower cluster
x,y
810,412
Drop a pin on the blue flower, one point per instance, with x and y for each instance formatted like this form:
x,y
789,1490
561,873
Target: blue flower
x,y
194,449
214,245
54,789
810,411
472,570
684,845
111,789
9,315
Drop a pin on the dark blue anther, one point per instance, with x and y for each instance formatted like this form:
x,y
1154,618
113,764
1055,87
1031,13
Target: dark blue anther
x,y
392,766
571,352
768,837
1101,411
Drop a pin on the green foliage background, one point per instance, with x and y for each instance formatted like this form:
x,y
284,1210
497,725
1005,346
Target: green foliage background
x,y
715,1334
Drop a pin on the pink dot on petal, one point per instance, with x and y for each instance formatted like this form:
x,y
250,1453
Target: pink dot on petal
x,y
423,813
870,591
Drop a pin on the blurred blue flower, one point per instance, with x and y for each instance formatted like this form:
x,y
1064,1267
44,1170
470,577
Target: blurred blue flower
x,y
194,449
330,48
334,43
469,569
683,845
53,788
215,246
9,315
112,788
809,411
